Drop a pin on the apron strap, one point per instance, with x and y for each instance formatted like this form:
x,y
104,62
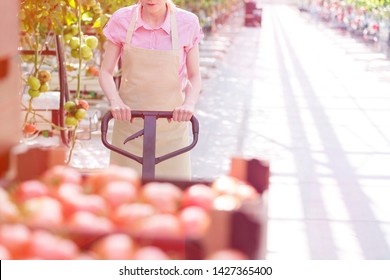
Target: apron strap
x,y
174,32
130,30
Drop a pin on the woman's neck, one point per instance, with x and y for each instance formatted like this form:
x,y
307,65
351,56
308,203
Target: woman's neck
x,y
154,17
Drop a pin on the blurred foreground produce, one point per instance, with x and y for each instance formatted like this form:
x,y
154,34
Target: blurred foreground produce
x,y
64,214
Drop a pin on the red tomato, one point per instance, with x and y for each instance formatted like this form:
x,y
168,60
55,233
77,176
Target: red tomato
x,y
128,216
89,223
47,246
92,203
160,226
119,192
43,212
195,221
67,189
30,128
93,71
199,195
30,189
150,253
66,194
16,238
165,197
74,200
85,227
227,202
114,247
96,181
225,185
61,174
83,104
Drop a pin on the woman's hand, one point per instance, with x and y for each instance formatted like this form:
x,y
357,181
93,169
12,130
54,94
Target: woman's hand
x,y
120,111
183,113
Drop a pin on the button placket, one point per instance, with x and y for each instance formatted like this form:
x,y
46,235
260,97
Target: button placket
x,y
153,39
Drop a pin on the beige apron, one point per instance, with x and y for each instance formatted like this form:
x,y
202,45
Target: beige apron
x,y
150,81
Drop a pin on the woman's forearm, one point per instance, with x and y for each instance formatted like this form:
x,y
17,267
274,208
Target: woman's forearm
x,y
107,83
192,90
119,110
194,85
107,69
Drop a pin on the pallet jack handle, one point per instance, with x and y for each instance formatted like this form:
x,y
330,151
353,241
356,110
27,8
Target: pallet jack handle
x,y
148,160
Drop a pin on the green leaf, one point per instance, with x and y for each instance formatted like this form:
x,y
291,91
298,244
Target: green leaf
x,y
70,18
72,3
97,23
87,17
104,19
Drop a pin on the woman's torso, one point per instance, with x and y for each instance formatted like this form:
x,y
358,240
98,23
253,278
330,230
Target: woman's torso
x,y
158,38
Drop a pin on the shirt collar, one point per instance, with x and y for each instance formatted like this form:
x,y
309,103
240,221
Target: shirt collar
x,y
166,25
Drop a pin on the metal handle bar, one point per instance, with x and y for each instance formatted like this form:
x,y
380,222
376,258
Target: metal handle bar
x,y
150,118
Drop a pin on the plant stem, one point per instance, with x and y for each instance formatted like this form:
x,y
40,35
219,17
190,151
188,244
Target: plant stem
x,y
36,51
80,54
73,143
78,15
36,55
45,119
29,109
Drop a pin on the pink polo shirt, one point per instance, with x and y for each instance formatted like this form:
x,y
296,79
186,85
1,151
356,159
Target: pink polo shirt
x,y
158,38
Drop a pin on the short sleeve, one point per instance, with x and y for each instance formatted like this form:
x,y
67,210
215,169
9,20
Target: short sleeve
x,y
197,35
115,30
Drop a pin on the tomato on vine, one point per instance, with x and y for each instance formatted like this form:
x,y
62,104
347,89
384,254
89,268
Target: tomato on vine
x,y
29,128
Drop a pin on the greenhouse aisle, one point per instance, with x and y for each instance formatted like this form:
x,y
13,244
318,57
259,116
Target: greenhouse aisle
x,y
316,104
